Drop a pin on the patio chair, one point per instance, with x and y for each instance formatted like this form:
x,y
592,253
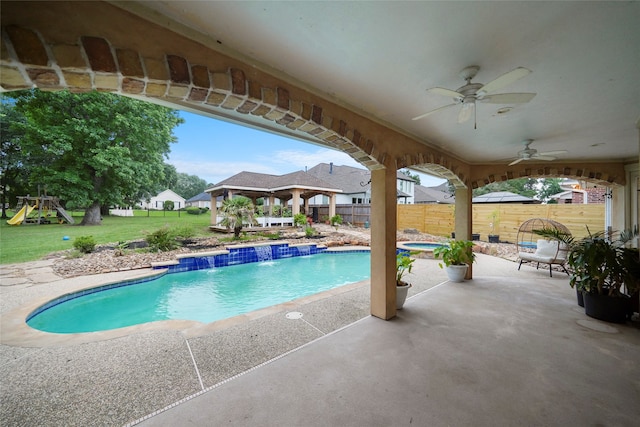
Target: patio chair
x,y
547,252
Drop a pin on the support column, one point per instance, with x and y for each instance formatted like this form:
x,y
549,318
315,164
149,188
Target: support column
x,y
463,218
383,243
306,207
295,203
214,210
332,205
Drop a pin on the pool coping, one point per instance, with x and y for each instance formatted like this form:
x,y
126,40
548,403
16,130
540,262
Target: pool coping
x,y
16,332
423,252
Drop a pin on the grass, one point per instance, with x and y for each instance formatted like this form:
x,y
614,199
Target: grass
x,y
21,243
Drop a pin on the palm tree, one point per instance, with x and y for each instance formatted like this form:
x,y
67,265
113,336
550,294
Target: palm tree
x,y
236,212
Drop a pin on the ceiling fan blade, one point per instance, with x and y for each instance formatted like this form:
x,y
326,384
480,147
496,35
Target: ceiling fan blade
x,y
508,98
446,92
539,157
552,153
515,162
504,80
465,112
422,116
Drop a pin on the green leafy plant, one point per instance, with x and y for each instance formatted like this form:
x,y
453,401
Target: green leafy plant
x,y
121,248
299,219
163,239
310,231
336,220
184,232
194,210
455,252
85,244
404,264
236,212
600,264
168,205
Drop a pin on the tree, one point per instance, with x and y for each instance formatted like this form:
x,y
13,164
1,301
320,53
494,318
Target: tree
x,y
12,177
94,149
236,212
523,186
189,185
415,176
548,187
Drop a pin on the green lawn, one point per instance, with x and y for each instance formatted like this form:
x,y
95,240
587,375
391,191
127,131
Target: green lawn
x,y
20,243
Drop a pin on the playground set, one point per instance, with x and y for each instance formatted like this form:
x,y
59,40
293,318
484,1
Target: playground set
x,y
38,210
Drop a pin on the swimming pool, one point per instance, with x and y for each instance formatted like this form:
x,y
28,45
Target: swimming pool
x,y
422,245
203,295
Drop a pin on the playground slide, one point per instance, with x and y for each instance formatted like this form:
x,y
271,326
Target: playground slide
x,y
19,217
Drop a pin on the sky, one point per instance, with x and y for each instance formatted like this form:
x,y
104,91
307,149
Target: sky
x,y
214,150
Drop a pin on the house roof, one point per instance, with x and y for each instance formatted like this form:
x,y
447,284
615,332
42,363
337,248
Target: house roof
x,y
424,194
202,197
503,197
351,180
169,193
254,184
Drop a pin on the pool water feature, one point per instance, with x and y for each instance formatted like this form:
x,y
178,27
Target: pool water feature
x,y
203,295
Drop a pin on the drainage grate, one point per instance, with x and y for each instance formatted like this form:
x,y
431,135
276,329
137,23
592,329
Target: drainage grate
x,y
293,315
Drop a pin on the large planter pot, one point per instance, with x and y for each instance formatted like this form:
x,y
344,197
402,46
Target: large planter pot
x,y
494,238
401,295
456,273
609,309
580,298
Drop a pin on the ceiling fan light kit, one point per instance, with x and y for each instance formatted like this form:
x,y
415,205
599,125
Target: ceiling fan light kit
x,y
529,153
472,93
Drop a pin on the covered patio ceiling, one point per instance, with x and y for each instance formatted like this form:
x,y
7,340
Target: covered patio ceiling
x,y
380,58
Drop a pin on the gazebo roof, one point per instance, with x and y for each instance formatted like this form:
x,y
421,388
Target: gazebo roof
x,y
252,184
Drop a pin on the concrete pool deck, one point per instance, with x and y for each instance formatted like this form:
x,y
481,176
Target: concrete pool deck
x,y
507,348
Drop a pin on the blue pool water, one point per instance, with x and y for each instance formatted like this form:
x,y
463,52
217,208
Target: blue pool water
x,y
425,245
205,295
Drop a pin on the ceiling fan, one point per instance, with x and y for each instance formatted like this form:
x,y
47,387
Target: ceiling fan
x,y
470,93
532,154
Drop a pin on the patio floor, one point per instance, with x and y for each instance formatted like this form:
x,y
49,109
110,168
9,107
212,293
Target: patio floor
x,y
508,348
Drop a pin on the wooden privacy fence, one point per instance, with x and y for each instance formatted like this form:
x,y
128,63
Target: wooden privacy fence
x,y
351,214
506,217
438,219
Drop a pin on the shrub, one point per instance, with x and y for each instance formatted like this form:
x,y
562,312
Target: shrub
x,y
310,231
299,219
85,244
194,210
184,232
163,239
168,205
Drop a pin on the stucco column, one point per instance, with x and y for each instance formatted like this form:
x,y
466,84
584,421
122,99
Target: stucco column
x,y
306,206
272,201
383,243
295,203
332,205
463,219
214,210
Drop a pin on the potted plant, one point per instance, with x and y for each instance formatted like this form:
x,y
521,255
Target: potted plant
x,y
494,236
404,264
604,269
456,257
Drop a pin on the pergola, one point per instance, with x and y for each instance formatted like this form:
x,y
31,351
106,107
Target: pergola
x,y
294,186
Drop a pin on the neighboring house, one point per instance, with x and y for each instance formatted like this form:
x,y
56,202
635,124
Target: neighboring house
x,y
580,192
355,184
503,197
157,202
202,200
429,195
